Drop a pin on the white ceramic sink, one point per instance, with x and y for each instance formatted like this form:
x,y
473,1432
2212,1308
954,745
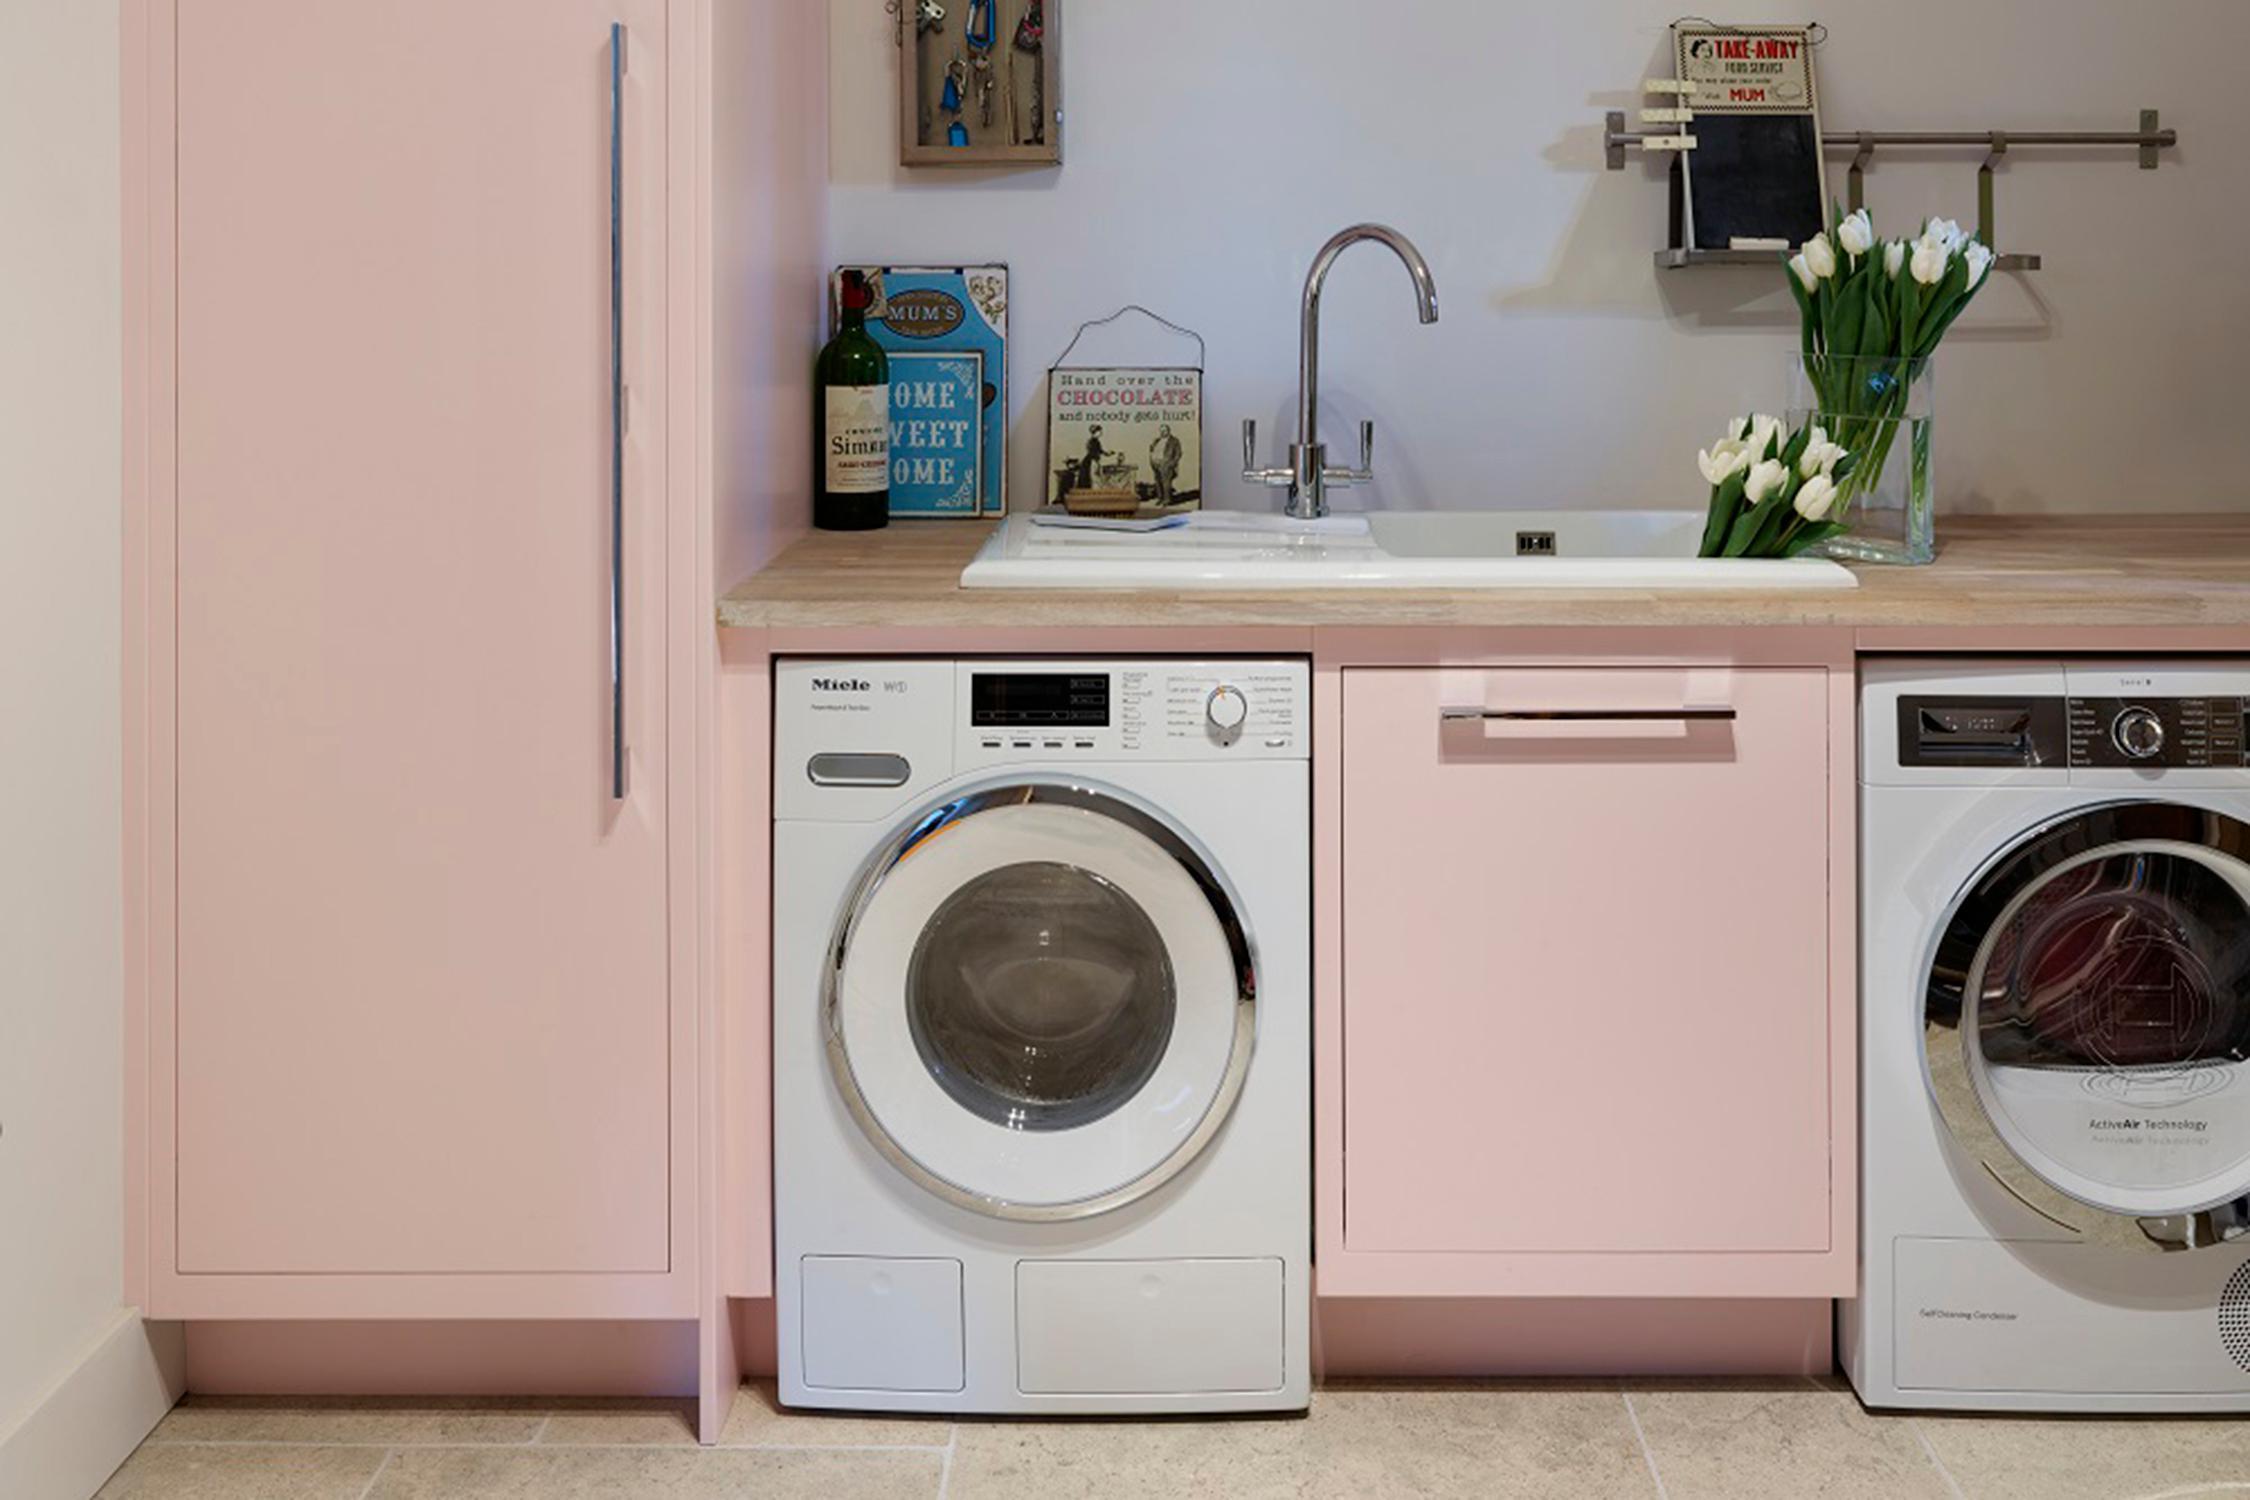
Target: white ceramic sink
x,y
1642,549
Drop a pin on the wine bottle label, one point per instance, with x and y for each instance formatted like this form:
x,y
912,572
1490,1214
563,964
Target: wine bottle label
x,y
859,439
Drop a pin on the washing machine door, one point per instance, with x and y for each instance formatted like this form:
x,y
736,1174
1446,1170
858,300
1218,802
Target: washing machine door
x,y
1040,1001
2088,1024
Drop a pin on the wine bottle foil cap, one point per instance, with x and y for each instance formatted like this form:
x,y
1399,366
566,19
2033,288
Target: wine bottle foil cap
x,y
857,296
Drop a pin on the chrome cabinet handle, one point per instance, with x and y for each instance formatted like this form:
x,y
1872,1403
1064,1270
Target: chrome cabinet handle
x,y
1588,715
618,781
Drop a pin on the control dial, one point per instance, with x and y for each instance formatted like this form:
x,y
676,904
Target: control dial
x,y
1226,710
2138,734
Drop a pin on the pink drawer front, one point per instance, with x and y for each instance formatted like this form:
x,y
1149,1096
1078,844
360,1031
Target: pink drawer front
x,y
1586,972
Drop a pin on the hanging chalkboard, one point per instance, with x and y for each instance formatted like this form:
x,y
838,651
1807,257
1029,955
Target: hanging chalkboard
x,y
1755,177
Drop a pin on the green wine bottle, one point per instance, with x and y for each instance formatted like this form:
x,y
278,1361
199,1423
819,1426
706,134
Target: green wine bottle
x,y
854,380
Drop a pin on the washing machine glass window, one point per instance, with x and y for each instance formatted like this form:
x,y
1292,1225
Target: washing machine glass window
x,y
1040,1001
1040,996
2089,1020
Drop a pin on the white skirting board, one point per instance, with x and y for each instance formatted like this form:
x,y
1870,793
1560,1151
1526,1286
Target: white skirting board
x,y
93,1418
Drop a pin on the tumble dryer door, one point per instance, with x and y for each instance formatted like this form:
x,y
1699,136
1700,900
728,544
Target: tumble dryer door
x,y
2088,1023
1040,1001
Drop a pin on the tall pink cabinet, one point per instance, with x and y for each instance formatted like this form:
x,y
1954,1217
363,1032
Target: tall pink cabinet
x,y
432,473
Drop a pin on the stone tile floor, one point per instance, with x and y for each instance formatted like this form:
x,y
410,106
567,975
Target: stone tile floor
x,y
1670,1440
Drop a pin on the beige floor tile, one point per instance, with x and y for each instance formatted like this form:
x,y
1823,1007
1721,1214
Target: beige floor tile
x,y
1528,1439
1361,1441
383,1421
1177,1459
758,1420
2076,1459
1752,1441
654,1474
622,1424
175,1473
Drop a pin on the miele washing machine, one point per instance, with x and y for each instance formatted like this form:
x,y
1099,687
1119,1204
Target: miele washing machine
x,y
1042,1035
2054,1037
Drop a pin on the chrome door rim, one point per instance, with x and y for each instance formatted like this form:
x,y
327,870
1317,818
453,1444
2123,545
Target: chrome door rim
x,y
1956,972
1109,803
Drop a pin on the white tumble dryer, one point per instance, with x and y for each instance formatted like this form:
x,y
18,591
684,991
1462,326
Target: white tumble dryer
x,y
1042,1035
2055,1037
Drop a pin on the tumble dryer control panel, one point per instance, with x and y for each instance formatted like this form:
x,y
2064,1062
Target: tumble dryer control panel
x,y
1064,711
2171,733
2124,733
2093,722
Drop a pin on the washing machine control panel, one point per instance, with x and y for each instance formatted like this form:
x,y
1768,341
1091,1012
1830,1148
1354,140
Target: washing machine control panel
x,y
1218,709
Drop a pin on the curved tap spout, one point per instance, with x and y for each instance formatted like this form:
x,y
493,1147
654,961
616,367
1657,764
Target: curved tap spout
x,y
1310,458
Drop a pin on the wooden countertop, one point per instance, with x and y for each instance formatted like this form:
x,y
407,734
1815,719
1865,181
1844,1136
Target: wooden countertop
x,y
2018,573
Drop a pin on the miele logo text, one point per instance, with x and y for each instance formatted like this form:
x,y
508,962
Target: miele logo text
x,y
842,685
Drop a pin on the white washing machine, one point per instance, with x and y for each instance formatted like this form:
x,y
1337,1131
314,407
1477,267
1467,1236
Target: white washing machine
x,y
1042,1035
2054,1036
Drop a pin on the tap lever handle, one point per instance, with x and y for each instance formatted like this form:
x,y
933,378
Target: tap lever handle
x,y
1367,448
1249,444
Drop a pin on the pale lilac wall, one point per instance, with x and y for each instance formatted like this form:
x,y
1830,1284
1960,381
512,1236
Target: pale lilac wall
x,y
1213,146
81,1380
62,998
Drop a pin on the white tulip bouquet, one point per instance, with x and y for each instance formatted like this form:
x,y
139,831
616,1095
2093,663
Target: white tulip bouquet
x,y
1773,493
1873,313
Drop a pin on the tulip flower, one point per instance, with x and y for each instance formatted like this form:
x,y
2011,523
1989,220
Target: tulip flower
x,y
1980,263
1760,505
1765,435
1856,234
1865,337
1722,461
1766,479
1815,498
1820,256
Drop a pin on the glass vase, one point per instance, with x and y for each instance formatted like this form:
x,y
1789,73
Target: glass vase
x,y
1882,410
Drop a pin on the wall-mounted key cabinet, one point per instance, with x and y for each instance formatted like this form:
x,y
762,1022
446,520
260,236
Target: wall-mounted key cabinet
x,y
980,82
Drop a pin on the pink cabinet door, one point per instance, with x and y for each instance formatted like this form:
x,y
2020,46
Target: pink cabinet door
x,y
422,989
1585,976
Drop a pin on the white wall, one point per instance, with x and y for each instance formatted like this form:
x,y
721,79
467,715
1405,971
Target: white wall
x,y
61,970
1213,144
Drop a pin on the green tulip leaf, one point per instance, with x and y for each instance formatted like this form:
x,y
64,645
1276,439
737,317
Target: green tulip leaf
x,y
1851,314
1796,448
1725,500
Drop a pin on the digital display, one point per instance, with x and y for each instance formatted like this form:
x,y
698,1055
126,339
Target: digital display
x,y
1039,700
1981,732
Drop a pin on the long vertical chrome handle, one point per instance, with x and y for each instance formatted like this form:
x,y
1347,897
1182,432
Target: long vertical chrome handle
x,y
618,784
